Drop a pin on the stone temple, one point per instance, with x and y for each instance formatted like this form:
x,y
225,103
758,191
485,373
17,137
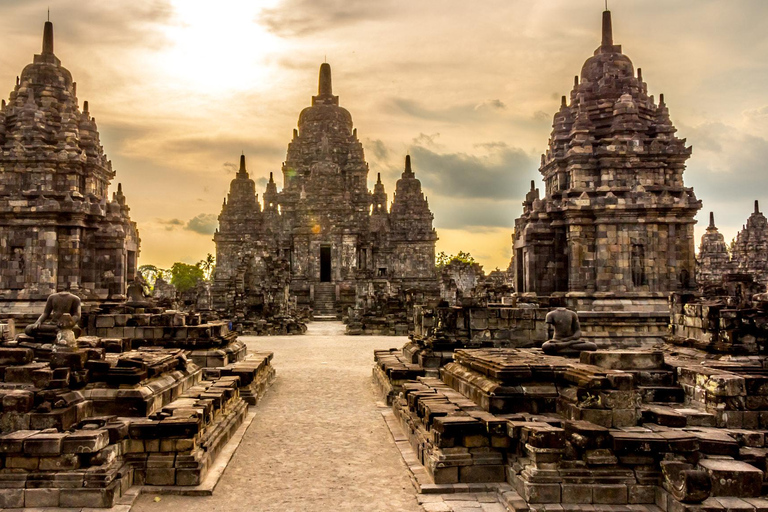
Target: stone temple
x,y
328,232
58,228
614,229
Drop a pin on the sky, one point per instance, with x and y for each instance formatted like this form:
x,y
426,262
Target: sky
x,y
180,87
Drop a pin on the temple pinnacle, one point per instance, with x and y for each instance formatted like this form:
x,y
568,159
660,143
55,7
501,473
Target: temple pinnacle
x,y
607,29
48,38
242,165
757,208
408,164
324,86
711,219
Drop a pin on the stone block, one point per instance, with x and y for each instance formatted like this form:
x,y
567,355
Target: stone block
x,y
160,476
574,493
44,444
38,498
541,493
11,498
609,494
624,359
637,494
85,441
733,477
481,473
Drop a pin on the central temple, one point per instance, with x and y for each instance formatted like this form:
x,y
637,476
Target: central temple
x,y
325,232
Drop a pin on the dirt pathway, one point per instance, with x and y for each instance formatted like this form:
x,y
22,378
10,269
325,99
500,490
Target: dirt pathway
x,y
318,441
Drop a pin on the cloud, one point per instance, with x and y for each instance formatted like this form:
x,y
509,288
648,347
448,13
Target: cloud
x,y
427,140
377,148
170,224
299,18
204,223
229,167
262,182
460,113
500,174
492,104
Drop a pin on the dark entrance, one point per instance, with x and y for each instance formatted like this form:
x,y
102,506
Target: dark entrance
x,y
325,264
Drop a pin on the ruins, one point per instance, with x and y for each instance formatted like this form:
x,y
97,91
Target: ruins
x,y
105,390
614,198
59,230
650,395
325,238
610,368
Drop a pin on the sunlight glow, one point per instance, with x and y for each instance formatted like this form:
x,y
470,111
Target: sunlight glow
x,y
217,47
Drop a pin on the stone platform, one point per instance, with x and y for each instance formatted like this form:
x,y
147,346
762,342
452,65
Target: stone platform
x,y
633,427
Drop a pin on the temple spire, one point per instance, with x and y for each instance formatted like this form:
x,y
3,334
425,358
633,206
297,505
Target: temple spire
x,y
408,165
607,29
325,86
242,170
48,38
757,207
711,219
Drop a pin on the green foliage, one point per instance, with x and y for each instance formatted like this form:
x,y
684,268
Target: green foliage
x,y
150,273
208,265
184,277
443,259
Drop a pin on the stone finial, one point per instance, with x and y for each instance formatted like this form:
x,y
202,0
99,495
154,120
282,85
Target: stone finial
x,y
563,102
661,99
757,207
48,38
325,86
271,179
576,81
85,107
711,219
607,29
242,163
640,74
533,185
378,178
408,164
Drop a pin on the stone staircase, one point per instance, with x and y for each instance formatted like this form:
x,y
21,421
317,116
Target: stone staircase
x,y
325,302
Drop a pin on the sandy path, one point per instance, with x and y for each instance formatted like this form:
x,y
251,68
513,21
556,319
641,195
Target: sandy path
x,y
318,442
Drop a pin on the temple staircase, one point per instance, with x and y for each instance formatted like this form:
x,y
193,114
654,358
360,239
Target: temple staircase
x,y
325,302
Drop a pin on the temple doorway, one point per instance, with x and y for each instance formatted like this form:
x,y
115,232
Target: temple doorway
x,y
325,264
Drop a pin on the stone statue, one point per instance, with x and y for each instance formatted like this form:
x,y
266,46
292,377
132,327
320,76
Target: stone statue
x,y
58,304
66,334
137,295
566,340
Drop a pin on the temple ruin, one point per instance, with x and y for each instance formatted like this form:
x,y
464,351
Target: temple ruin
x,y
614,198
59,229
325,238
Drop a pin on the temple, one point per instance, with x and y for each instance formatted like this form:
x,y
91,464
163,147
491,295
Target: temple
x,y
615,206
58,227
713,261
325,235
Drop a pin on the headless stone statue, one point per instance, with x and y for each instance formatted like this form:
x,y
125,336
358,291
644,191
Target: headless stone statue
x,y
566,339
137,296
57,305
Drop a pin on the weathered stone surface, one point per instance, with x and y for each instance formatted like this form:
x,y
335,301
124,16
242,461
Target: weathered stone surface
x,y
325,232
59,227
608,211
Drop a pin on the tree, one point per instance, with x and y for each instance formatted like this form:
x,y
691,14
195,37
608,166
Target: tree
x,y
150,273
208,265
184,277
443,259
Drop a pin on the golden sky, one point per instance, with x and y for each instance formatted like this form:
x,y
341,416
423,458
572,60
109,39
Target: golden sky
x,y
180,87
